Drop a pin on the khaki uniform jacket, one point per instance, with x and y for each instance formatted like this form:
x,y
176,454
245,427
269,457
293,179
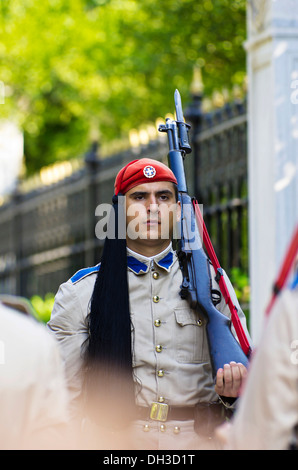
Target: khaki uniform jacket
x,y
170,351
267,411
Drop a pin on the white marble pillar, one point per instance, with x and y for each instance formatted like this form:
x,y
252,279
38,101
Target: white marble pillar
x,y
272,64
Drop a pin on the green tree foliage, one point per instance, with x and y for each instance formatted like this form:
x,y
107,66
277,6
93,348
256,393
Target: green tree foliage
x,y
74,67
241,285
240,281
43,306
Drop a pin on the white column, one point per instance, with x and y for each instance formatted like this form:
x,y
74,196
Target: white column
x,y
272,63
11,155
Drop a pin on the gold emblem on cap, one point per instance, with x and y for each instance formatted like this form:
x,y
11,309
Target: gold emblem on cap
x,y
149,171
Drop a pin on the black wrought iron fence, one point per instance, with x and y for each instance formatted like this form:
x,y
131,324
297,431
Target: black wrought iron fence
x,y
222,182
48,233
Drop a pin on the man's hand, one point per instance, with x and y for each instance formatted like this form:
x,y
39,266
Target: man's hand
x,y
229,379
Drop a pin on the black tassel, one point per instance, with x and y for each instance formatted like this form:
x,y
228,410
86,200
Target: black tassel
x,y
109,355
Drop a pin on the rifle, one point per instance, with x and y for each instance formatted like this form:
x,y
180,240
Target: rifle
x,y
194,263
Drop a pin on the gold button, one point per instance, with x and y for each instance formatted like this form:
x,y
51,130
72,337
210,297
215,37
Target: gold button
x,y
157,322
176,430
161,399
155,275
146,428
158,348
160,373
199,322
162,428
156,299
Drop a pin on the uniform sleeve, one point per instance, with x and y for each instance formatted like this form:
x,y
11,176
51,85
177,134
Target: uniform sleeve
x,y
49,413
68,324
34,398
268,408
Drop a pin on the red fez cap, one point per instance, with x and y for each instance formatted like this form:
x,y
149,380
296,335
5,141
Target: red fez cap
x,y
141,171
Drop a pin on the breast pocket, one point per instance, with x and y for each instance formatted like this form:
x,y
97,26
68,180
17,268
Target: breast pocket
x,y
191,340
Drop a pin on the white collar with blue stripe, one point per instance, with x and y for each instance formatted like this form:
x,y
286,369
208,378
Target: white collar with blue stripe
x,y
140,264
136,263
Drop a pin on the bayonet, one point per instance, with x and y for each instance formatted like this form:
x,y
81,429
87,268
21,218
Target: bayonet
x,y
178,106
182,126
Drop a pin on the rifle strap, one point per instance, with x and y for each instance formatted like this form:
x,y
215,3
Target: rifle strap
x,y
286,266
221,281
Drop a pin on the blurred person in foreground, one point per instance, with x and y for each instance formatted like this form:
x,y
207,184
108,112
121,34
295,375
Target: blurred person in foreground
x,y
267,414
33,393
131,342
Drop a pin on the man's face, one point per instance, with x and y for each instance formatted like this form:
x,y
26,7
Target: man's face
x,y
151,211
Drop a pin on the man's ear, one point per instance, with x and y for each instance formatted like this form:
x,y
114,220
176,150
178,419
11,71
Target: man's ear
x,y
178,211
177,224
